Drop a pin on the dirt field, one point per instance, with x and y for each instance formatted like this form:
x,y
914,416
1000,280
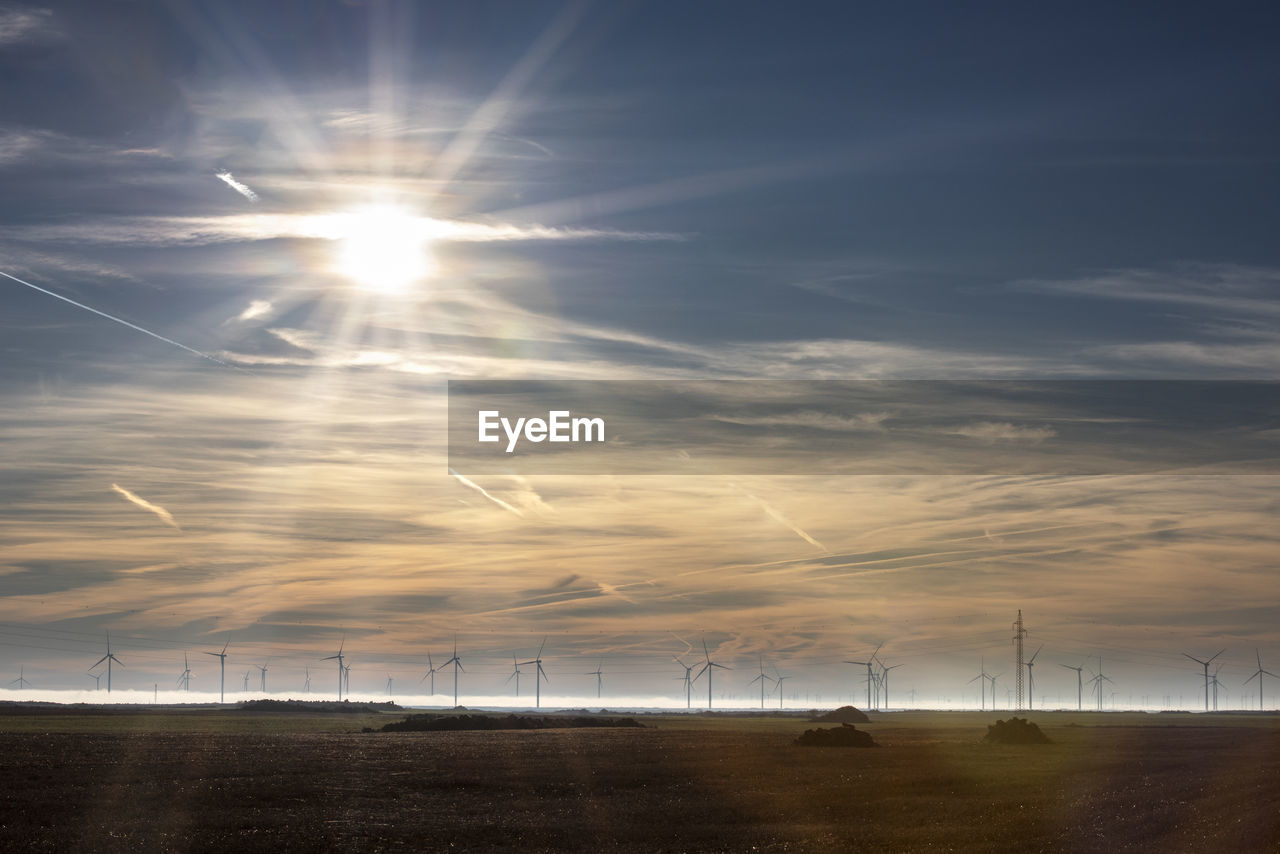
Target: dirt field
x,y
228,781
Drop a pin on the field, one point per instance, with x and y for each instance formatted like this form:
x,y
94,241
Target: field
x,y
229,780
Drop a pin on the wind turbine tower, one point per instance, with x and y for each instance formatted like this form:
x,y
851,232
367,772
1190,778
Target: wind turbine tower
x,y
1079,684
431,671
222,661
884,681
1019,636
457,665
538,674
778,679
707,669
108,658
688,682
1205,664
1097,680
762,679
870,675
981,679
1258,674
1031,678
341,670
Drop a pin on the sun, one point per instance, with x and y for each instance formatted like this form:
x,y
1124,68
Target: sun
x,y
383,249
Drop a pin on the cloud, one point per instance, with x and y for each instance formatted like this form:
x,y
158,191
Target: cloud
x,y
248,228
256,308
242,189
26,24
993,431
165,515
862,422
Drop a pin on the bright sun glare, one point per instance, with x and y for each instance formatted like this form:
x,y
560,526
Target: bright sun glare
x,y
383,249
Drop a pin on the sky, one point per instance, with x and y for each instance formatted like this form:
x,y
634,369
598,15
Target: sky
x,y
247,245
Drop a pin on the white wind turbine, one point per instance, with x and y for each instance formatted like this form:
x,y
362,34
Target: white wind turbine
x,y
538,674
341,670
222,661
457,665
108,658
707,669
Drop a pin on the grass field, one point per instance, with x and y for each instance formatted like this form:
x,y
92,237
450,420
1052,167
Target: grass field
x,y
205,780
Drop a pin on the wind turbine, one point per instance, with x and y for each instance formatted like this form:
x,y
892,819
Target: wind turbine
x,y
761,679
388,684
457,665
1079,684
245,686
97,680
306,686
346,678
108,658
1258,674
185,679
1097,680
22,681
222,660
1192,657
1216,686
707,668
1031,678
688,682
515,674
982,685
884,680
538,674
263,673
867,664
992,680
778,679
431,671
341,670
599,674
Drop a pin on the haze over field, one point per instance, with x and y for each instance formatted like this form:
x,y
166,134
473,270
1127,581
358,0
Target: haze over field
x,y
247,244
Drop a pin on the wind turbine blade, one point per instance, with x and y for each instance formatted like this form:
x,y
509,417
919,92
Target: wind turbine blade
x,y
99,661
1218,653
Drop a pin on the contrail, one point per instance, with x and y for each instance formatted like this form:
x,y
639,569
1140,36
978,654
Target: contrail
x,y
470,484
165,515
777,516
133,326
242,189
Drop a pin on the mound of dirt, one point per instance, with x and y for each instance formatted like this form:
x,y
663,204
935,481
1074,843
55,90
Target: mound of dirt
x,y
1015,731
457,723
846,735
842,715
